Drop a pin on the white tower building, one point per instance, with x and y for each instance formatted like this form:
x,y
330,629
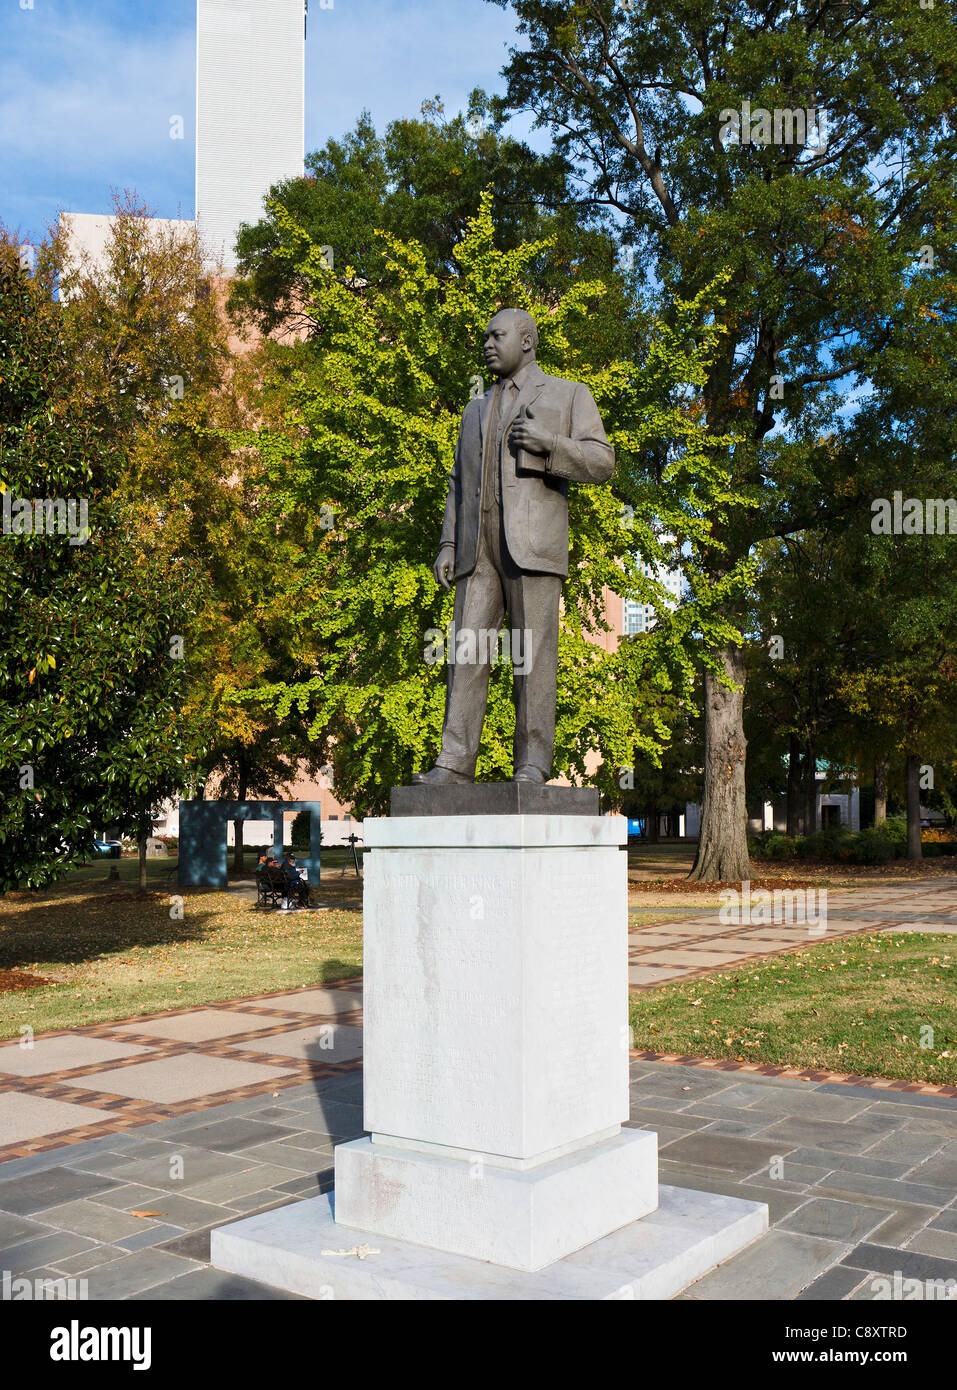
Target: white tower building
x,y
250,111
641,617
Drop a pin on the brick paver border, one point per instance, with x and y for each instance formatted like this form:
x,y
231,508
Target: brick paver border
x,y
121,1113
877,1083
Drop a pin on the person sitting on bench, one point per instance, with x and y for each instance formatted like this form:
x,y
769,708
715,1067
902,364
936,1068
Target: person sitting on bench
x,y
270,882
296,886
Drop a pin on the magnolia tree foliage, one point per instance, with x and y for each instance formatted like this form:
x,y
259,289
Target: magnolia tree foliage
x,y
365,448
148,325
92,727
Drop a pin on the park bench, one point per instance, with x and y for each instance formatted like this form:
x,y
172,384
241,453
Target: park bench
x,y
270,888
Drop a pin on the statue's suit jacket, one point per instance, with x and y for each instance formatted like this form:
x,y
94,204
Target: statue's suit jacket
x,y
534,503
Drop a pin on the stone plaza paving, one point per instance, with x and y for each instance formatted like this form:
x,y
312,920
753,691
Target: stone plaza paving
x,y
860,1183
200,1116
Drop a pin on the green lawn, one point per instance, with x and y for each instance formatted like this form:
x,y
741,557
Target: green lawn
x,y
112,954
862,1006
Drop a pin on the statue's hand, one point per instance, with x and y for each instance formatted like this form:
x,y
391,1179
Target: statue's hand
x,y
527,434
444,567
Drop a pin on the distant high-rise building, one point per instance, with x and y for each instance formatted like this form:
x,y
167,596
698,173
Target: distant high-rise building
x,y
250,111
641,617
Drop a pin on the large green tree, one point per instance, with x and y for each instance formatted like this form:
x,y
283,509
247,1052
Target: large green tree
x,y
421,180
821,237
149,327
92,723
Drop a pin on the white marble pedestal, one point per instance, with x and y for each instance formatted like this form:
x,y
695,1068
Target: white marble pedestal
x,y
495,1078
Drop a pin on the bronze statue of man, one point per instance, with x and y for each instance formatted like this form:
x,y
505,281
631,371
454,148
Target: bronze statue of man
x,y
505,542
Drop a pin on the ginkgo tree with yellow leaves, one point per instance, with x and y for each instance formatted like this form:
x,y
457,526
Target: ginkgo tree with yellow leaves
x,y
362,451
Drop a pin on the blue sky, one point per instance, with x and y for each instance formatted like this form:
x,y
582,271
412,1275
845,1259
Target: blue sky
x,y
87,89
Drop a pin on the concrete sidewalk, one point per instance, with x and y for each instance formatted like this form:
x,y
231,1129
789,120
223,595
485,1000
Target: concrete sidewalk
x,y
860,1183
87,1082
699,943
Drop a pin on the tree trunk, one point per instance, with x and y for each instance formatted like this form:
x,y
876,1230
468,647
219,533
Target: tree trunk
x,y
651,824
239,825
238,847
914,850
145,828
809,789
794,786
881,770
723,843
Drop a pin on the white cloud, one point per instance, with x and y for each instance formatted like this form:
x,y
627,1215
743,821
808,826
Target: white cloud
x,y
79,91
84,107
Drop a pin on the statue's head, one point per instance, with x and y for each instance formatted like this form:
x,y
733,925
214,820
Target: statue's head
x,y
510,341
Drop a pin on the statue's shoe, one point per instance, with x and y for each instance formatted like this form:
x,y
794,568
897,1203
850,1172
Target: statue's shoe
x,y
439,777
530,774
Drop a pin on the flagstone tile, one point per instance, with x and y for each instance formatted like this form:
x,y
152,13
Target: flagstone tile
x,y
185,1166
907,1147
25,1116
653,974
910,1264
696,960
808,1132
324,1042
133,1273
63,1052
14,1230
182,1077
839,1184
940,1171
202,1025
721,1151
214,1284
835,1220
315,1001
778,1267
832,1286
88,1259
932,1242
173,1208
92,1219
232,1135
34,1192
831,1107
34,1254
220,1191
148,1237
850,1163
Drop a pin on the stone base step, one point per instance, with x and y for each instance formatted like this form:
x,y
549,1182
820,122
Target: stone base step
x,y
300,1248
